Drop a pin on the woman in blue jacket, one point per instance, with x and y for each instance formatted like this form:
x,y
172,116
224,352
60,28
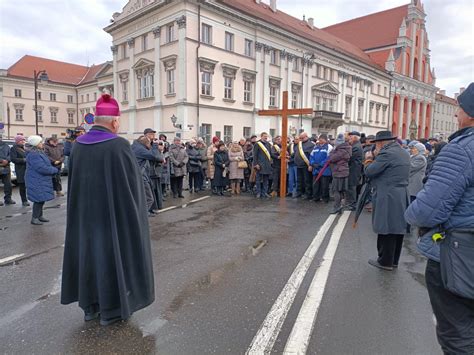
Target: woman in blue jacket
x,y
39,183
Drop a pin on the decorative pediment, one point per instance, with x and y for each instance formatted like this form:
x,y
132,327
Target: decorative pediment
x,y
53,109
207,65
169,62
40,108
123,75
274,82
249,75
71,110
295,87
142,64
326,87
107,69
19,106
229,71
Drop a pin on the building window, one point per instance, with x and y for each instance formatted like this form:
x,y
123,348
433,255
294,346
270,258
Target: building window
x,y
206,131
228,84
70,99
206,79
54,117
170,33
170,82
377,113
248,48
229,41
124,50
296,64
272,132
360,110
145,42
227,134
52,97
40,116
385,91
349,81
17,92
247,91
361,85
320,71
378,89
124,90
206,36
347,112
70,118
247,132
19,114
327,72
317,103
38,95
273,96
294,99
82,98
371,108
146,84
273,57
87,97
95,96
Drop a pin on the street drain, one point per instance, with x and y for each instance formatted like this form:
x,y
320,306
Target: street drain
x,y
257,246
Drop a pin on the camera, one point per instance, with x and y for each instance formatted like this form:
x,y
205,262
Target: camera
x,y
72,134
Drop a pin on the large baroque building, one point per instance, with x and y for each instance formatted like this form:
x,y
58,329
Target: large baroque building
x,y
207,67
444,119
397,39
62,101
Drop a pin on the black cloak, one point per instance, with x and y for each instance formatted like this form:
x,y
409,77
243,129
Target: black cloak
x,y
107,256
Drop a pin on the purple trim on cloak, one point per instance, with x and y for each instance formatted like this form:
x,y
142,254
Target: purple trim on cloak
x,y
96,136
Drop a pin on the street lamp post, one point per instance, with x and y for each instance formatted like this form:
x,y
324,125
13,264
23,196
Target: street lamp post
x,y
43,77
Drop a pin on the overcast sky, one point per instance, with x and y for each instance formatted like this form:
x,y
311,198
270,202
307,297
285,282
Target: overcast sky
x,y
71,30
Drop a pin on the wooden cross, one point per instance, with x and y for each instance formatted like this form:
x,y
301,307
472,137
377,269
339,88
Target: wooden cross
x,y
284,112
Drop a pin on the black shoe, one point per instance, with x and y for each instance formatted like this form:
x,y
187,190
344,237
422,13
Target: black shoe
x,y
90,316
377,264
109,321
190,191
42,219
175,196
1,203
317,200
26,204
36,222
297,196
180,196
337,210
10,202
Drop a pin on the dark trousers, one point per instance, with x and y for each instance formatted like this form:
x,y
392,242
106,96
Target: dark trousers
x,y
200,180
351,195
37,209
156,188
276,180
304,182
454,314
321,188
57,183
389,247
22,188
150,198
261,182
194,181
177,185
7,186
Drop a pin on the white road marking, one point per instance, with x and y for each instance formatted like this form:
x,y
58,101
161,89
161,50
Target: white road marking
x,y
167,209
10,258
300,335
199,199
267,334
153,327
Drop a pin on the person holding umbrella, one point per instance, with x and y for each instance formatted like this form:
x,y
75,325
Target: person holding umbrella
x,y
388,170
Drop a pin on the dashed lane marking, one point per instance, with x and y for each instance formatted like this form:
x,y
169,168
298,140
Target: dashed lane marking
x,y
266,336
302,331
10,259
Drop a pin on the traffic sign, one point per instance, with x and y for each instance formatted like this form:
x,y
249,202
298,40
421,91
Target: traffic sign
x,y
2,125
89,118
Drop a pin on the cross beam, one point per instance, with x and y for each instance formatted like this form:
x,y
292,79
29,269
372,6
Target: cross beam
x,y
284,113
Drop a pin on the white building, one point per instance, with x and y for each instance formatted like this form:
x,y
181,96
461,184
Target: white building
x,y
444,121
213,64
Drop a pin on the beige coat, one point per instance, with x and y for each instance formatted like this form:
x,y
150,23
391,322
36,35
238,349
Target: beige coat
x,y
210,161
236,154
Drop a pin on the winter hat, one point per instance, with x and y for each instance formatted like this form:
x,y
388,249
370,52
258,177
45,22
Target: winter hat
x,y
420,147
412,144
466,100
107,106
34,140
340,139
215,140
19,138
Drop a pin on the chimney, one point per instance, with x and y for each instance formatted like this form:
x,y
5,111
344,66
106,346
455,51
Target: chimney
x,y
456,96
442,92
311,22
273,5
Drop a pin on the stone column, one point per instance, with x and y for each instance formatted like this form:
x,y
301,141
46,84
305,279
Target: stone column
x,y
425,104
133,89
420,57
355,100
404,60
182,111
290,72
157,80
342,100
365,113
307,99
400,115
266,77
114,50
417,115
258,83
412,55
427,68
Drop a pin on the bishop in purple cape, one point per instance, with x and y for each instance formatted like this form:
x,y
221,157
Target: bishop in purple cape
x,y
107,265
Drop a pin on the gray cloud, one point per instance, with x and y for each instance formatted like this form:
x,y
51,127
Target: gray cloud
x,y
71,30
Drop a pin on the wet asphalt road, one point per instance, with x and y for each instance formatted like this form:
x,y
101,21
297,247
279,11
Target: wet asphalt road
x,y
220,264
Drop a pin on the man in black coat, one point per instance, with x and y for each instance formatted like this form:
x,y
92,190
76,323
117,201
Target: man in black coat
x,y
304,173
18,157
107,265
5,173
355,169
262,162
276,156
155,169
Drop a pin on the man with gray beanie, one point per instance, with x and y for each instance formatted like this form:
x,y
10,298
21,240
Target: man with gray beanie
x,y
446,205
